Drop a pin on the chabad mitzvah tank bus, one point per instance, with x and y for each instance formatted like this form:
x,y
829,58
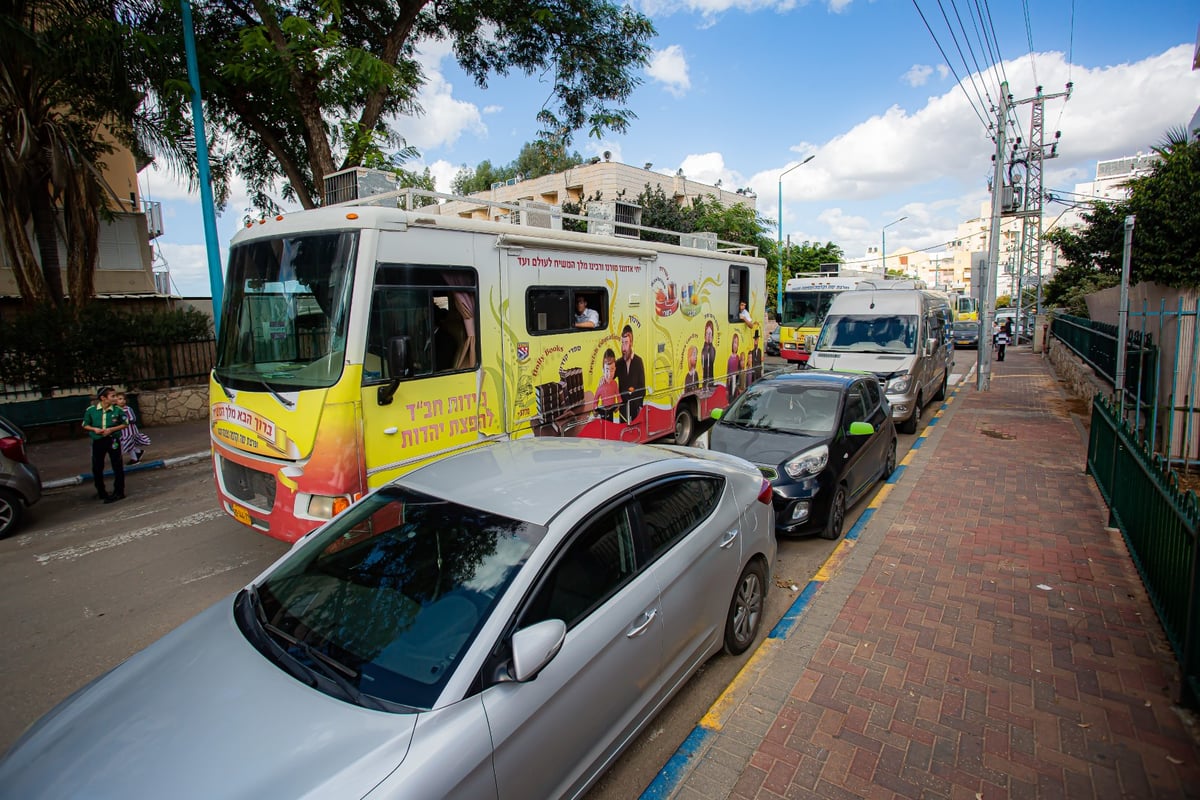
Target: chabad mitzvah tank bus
x,y
358,342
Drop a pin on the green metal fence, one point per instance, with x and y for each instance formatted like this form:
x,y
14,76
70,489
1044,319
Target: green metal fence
x,y
1159,522
1096,343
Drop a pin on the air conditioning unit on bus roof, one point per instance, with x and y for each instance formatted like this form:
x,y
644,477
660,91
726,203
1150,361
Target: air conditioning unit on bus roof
x,y
702,240
614,218
357,183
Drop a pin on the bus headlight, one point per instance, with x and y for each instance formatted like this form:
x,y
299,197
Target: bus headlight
x,y
323,507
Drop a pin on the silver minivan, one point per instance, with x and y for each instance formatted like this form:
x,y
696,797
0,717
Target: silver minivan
x,y
898,332
20,483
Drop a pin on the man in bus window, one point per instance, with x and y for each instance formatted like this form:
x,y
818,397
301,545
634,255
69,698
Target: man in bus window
x,y
585,317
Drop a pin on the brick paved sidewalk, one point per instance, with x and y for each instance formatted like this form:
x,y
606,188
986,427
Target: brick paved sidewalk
x,y
985,637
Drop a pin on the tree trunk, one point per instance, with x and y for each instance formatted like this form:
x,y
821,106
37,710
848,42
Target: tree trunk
x,y
45,231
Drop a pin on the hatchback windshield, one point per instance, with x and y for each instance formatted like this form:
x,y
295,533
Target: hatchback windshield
x,y
870,333
286,306
780,407
394,592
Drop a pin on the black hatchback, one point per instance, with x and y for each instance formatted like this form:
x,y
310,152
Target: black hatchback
x,y
821,438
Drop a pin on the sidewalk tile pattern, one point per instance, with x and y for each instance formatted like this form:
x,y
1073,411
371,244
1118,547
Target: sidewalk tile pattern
x,y
999,642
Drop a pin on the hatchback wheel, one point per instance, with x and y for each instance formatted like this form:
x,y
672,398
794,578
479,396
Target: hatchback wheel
x,y
837,515
890,466
745,609
11,511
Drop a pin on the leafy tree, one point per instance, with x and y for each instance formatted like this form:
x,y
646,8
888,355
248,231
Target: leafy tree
x,y
1166,237
303,89
72,85
810,257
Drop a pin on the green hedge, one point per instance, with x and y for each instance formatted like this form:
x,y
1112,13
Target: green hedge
x,y
51,348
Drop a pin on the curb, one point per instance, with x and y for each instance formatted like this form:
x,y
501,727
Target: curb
x,y
84,477
684,761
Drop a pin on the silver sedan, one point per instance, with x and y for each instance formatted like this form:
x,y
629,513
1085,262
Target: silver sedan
x,y
498,624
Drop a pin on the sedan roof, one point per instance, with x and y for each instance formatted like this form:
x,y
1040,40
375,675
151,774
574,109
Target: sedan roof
x,y
530,479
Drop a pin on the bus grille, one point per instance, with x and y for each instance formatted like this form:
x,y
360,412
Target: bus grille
x,y
249,486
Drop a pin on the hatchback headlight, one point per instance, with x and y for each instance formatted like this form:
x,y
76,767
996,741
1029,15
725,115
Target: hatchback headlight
x,y
809,462
899,384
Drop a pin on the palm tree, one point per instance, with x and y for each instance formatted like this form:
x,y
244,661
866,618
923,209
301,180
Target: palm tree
x,y
71,78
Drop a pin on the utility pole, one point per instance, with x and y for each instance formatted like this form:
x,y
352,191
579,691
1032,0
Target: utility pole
x,y
1123,316
1033,156
987,287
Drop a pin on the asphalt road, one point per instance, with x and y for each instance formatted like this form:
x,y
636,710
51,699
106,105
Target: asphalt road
x,y
86,585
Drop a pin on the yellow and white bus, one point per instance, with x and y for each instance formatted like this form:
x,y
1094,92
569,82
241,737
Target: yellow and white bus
x,y
806,301
358,342
964,306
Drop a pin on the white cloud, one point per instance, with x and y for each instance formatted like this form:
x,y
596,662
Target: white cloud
x,y
493,109
710,168
937,158
943,71
918,74
670,67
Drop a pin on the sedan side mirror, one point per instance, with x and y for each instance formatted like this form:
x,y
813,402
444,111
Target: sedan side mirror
x,y
534,647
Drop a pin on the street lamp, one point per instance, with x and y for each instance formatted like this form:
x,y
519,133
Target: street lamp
x,y
779,294
883,244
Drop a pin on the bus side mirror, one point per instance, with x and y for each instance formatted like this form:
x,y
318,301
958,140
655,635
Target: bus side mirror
x,y
399,361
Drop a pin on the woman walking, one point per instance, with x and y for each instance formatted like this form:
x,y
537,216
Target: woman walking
x,y
133,441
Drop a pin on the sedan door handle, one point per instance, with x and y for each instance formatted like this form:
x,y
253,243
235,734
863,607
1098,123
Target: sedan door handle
x,y
728,537
647,620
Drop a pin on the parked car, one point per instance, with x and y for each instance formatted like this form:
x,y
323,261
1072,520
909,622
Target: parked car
x,y
20,482
772,346
822,439
499,623
965,333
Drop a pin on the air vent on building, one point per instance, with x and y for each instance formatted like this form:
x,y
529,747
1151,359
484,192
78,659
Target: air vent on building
x,y
614,218
537,215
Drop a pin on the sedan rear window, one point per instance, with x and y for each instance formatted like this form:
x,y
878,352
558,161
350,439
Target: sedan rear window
x,y
396,590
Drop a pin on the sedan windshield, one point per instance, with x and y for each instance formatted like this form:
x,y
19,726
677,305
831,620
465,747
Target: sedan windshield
x,y
285,310
869,333
394,591
789,409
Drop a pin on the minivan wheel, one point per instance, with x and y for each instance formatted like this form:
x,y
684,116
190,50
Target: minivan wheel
x,y
685,426
910,425
745,609
941,392
837,515
11,512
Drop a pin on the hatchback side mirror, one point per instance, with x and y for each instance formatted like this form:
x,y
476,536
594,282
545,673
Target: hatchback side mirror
x,y
861,428
717,413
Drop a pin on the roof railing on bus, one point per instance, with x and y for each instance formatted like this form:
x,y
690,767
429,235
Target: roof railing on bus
x,y
406,199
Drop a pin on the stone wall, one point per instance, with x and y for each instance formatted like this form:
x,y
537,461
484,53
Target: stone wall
x,y
1081,380
174,405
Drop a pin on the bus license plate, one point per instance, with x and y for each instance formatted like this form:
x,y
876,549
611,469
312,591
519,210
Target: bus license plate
x,y
241,514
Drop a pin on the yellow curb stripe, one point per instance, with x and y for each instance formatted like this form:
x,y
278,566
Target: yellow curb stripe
x,y
881,495
839,554
714,720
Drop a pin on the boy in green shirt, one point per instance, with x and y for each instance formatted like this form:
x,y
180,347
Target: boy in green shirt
x,y
104,422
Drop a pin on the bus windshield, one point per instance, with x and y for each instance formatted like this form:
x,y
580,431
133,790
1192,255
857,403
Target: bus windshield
x,y
286,305
806,309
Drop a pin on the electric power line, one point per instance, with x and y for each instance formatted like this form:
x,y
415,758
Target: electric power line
x,y
953,72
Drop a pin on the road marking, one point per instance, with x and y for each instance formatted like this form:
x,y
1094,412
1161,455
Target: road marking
x,y
109,542
212,573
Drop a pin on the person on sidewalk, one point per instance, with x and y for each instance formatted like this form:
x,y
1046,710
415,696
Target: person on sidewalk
x,y
104,422
133,441
1001,342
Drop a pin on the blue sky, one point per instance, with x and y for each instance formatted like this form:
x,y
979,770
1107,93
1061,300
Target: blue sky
x,y
740,90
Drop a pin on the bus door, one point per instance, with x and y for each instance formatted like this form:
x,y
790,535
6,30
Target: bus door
x,y
423,390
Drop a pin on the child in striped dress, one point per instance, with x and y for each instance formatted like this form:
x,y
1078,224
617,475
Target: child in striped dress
x,y
133,441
